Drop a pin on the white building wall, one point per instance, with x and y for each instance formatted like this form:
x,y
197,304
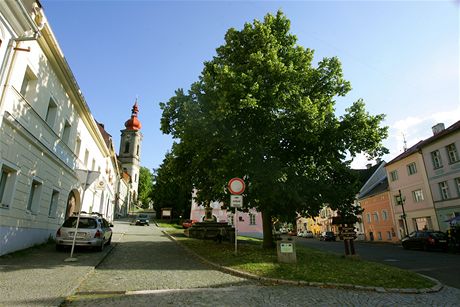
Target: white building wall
x,y
35,150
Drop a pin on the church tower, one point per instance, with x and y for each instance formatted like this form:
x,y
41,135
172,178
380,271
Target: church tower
x,y
130,149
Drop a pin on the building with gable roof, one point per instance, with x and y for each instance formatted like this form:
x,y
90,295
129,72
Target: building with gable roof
x,y
378,216
442,162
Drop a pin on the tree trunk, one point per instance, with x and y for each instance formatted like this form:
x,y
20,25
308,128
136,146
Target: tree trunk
x,y
268,229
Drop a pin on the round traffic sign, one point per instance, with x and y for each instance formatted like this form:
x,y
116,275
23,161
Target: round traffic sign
x,y
236,186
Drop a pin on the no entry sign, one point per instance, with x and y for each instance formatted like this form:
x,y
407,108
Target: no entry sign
x,y
236,186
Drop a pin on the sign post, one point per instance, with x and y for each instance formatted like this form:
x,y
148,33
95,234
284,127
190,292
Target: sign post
x,y
86,178
236,187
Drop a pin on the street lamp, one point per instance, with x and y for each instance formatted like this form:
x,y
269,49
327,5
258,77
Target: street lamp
x,y
400,199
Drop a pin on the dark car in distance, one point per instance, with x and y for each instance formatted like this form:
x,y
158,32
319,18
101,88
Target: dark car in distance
x,y
141,219
426,240
327,236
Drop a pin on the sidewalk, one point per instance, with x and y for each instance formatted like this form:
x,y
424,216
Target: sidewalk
x,y
39,276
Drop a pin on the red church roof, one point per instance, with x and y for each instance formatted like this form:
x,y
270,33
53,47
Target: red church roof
x,y
133,123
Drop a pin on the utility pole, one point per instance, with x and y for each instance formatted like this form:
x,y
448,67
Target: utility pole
x,y
401,201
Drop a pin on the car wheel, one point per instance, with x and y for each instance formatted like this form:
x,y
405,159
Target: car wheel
x,y
110,240
426,247
405,246
148,224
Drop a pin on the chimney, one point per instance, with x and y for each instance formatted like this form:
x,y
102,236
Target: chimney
x,y
437,128
369,165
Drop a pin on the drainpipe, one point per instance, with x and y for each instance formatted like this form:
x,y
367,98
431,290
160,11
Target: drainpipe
x,y
29,19
13,49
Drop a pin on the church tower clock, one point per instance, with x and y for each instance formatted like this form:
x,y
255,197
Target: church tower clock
x,y
130,150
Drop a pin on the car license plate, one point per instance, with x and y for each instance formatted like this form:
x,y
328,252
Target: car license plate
x,y
442,241
80,235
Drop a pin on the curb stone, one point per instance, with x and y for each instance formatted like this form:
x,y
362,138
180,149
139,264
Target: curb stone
x,y
436,288
63,302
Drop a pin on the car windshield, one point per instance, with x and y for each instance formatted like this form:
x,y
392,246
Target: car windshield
x,y
329,233
85,222
143,216
438,235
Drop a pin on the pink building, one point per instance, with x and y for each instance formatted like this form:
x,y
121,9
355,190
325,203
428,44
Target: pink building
x,y
409,189
249,224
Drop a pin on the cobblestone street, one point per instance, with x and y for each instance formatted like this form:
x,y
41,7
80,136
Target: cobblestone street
x,y
146,268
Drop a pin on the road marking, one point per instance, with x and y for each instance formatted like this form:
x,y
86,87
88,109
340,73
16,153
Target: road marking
x,y
391,260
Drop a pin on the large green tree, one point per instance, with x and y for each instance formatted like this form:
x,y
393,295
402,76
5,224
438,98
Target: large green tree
x,y
263,111
145,186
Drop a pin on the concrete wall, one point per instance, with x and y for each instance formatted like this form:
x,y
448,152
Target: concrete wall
x,y
197,212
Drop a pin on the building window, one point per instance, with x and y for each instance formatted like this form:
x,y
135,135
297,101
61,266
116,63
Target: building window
x,y
28,83
126,147
51,113
384,215
93,165
53,204
86,158
77,146
137,150
379,236
444,189
411,168
376,216
452,153
369,218
394,175
34,197
389,235
7,183
397,200
457,183
66,132
252,219
423,223
417,195
436,159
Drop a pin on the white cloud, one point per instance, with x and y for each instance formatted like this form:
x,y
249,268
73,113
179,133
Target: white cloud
x,y
413,129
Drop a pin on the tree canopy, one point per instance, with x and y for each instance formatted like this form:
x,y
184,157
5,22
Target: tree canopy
x,y
145,186
172,187
261,110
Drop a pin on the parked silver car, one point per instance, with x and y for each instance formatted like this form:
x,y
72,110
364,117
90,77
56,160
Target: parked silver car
x,y
305,234
93,231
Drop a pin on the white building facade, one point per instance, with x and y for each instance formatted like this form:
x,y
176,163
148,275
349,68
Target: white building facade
x,y
47,133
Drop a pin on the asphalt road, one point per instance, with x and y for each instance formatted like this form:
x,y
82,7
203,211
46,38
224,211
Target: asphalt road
x,y
445,267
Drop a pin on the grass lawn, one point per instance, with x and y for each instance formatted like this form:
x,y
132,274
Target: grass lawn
x,y
312,265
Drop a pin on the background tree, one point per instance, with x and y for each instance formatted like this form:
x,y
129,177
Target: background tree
x,y
262,111
172,188
145,186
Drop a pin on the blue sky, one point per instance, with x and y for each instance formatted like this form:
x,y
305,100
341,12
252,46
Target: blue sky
x,y
401,57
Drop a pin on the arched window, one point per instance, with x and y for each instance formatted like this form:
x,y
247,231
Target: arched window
x,y
137,150
126,147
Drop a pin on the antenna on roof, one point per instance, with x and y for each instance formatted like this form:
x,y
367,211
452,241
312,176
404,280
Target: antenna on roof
x,y
405,142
